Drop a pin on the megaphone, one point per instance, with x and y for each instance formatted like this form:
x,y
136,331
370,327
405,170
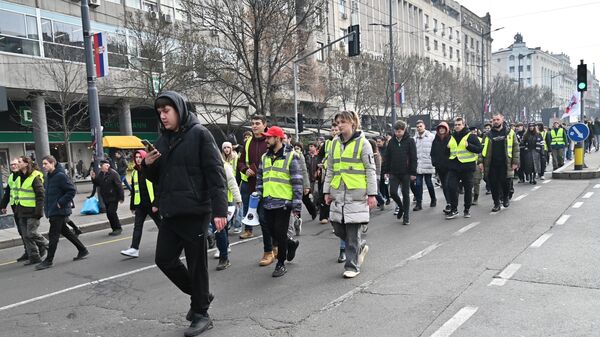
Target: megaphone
x,y
251,218
230,213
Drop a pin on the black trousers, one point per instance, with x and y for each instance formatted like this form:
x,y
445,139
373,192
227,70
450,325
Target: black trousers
x,y
404,181
323,207
185,233
277,221
141,212
499,183
383,188
454,179
443,174
312,210
111,214
58,226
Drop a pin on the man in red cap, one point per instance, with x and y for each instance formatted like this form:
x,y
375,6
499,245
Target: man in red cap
x,y
279,183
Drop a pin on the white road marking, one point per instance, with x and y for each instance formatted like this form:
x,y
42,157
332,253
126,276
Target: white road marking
x,y
536,188
597,186
578,204
505,275
540,241
455,322
520,197
110,278
466,228
563,218
547,181
587,195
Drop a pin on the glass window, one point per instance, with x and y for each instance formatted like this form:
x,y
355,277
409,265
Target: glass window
x,y
32,28
17,45
12,24
528,68
47,30
320,54
435,45
426,41
342,7
511,69
65,33
150,6
458,54
451,52
115,1
167,10
133,3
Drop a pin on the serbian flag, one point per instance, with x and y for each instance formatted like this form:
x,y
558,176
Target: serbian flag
x,y
100,55
572,108
488,105
398,93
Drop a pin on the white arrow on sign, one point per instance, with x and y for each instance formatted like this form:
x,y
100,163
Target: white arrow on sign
x,y
579,134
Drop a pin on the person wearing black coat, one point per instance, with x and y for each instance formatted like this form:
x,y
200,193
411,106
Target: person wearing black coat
x,y
111,190
188,169
440,158
400,166
58,202
462,171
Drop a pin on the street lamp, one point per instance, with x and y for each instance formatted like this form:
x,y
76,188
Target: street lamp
x,y
482,77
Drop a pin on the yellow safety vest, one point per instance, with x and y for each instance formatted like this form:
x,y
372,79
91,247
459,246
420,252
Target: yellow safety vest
x,y
460,150
26,195
348,165
328,143
246,147
276,177
15,185
544,133
510,138
136,186
558,138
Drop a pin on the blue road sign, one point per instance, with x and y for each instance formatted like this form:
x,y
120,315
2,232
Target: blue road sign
x,y
578,132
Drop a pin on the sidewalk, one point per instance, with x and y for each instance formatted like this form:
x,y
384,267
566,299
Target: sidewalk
x,y
88,223
591,171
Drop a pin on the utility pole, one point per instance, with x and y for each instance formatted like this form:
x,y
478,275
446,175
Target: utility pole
x,y
93,106
483,72
392,70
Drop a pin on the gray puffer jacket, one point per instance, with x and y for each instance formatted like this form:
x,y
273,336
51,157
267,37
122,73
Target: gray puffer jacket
x,y
424,142
351,205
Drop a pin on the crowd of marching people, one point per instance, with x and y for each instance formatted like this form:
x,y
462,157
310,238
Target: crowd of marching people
x,y
199,194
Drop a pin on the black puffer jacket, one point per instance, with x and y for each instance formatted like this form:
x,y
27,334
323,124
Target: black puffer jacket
x,y
440,154
400,156
59,191
189,172
111,187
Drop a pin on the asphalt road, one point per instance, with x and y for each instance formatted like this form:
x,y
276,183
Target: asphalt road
x,y
515,273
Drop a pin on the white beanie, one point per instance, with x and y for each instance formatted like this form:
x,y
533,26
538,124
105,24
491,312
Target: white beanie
x,y
226,144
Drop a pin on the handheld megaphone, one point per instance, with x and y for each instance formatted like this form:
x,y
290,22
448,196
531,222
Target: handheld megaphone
x,y
230,213
251,218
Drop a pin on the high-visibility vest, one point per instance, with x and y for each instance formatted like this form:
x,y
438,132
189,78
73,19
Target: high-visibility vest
x,y
510,138
247,161
14,183
460,150
276,177
544,133
328,143
348,165
558,138
26,195
136,187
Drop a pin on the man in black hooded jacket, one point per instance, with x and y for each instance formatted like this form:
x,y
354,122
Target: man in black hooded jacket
x,y
188,169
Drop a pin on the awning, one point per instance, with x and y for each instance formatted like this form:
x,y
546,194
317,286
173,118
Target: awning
x,y
122,142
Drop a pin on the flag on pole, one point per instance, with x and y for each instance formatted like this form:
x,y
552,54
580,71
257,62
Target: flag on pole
x,y
398,93
488,105
100,55
572,109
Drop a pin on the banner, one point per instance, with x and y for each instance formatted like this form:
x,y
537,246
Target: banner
x,y
100,55
573,108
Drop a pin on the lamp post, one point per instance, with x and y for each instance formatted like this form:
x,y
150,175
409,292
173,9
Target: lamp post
x,y
482,73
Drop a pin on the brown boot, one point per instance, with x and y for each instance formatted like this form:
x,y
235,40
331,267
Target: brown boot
x,y
275,252
267,259
246,235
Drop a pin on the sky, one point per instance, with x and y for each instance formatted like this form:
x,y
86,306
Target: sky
x,y
571,27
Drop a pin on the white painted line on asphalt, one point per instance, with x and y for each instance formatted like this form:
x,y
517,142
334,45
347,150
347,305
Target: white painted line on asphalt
x,y
547,181
563,218
424,252
540,241
466,228
455,322
536,188
587,195
520,197
578,204
110,278
597,186
505,275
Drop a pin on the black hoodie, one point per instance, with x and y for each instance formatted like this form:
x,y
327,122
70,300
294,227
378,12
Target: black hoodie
x,y
189,172
400,156
473,145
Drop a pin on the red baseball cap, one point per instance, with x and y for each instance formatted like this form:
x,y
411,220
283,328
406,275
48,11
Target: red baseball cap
x,y
274,131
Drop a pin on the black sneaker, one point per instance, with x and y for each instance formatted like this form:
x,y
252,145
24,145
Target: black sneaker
x,y
77,231
417,207
190,313
396,210
406,221
467,213
23,257
400,213
342,256
433,203
280,270
452,215
388,201
496,208
506,203
447,209
223,264
116,232
32,260
81,255
291,249
200,323
43,265
43,249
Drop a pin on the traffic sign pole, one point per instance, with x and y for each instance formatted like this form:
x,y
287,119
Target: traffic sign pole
x,y
579,148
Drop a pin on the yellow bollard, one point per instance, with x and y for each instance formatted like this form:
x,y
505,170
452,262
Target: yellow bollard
x,y
578,153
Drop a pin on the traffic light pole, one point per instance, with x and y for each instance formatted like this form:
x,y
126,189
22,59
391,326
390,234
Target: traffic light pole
x,y
579,149
296,62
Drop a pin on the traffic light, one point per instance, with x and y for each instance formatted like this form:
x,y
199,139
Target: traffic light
x,y
354,40
582,77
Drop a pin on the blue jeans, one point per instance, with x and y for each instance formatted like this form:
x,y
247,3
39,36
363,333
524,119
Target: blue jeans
x,y
222,241
419,187
124,180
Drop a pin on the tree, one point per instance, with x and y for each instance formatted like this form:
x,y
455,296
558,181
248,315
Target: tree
x,y
261,39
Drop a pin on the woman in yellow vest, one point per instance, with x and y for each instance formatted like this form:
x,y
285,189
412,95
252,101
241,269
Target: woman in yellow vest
x,y
350,188
231,157
30,208
143,203
13,184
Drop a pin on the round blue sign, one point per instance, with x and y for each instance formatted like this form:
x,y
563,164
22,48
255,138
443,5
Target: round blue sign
x,y
578,132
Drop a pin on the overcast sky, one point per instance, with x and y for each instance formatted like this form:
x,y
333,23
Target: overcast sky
x,y
571,27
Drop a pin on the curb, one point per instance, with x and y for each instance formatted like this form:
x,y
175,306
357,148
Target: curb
x,y
85,228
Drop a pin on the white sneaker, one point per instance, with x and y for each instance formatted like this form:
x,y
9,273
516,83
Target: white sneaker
x,y
131,252
350,274
237,230
362,254
218,254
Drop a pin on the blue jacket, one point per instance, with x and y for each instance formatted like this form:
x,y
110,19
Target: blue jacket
x,y
59,191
